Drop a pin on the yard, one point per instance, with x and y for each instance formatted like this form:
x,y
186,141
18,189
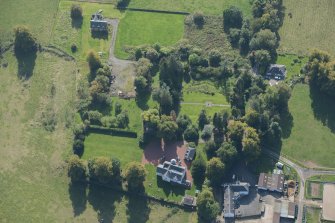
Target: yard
x,y
209,7
293,64
310,26
310,136
140,28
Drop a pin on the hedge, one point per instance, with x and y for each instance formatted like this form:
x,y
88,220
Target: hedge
x,y
112,131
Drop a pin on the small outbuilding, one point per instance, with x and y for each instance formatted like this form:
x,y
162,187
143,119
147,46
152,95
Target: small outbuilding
x,y
189,201
189,154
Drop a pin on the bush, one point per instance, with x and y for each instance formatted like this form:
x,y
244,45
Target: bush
x,y
214,58
76,11
206,133
135,174
78,147
191,134
74,48
24,41
77,169
122,3
232,18
198,19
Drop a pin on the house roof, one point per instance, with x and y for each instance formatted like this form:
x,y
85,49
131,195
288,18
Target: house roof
x,y
228,210
190,153
273,182
173,172
240,187
284,209
277,69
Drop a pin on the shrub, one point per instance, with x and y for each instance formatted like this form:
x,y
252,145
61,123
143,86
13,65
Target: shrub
x,y
122,3
118,108
135,174
214,58
207,132
77,169
198,19
74,48
78,147
191,134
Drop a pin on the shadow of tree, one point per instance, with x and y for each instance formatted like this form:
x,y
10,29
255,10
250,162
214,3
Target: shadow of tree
x,y
103,201
25,64
286,124
323,107
78,196
99,35
137,210
77,22
142,101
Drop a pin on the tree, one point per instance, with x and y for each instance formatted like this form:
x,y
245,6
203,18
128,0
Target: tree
x,y
93,61
116,169
24,42
135,174
198,170
76,11
253,118
245,36
77,169
235,132
191,134
261,59
206,133
164,98
210,149
214,58
94,117
265,40
141,85
198,19
215,171
101,169
202,119
118,108
208,208
167,129
183,121
122,119
234,36
78,147
227,153
232,18
251,144
152,55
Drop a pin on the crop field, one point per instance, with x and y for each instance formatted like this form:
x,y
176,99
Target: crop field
x,y
209,7
311,26
124,148
38,15
66,32
140,28
311,134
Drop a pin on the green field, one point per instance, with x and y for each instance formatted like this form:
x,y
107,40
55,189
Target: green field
x,y
66,33
311,139
38,15
124,148
209,7
139,28
292,67
313,215
308,189
311,26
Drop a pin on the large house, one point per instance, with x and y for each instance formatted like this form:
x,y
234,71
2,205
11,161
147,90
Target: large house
x,y
98,23
271,182
172,173
276,71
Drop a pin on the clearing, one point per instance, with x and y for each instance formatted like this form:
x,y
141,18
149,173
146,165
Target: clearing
x,y
310,26
140,28
310,135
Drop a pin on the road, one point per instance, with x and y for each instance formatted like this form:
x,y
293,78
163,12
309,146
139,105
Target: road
x,y
304,173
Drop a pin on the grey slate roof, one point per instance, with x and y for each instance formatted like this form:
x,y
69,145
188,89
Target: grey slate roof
x,y
172,173
189,154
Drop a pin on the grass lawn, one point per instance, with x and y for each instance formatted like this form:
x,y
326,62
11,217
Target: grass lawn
x,y
311,26
66,33
308,189
138,28
193,111
313,215
124,148
311,139
209,7
38,15
158,188
291,67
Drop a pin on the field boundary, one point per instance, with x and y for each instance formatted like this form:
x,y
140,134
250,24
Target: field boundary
x,y
112,131
156,11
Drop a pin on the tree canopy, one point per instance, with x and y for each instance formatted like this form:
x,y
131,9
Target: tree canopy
x,y
208,208
135,174
215,171
77,169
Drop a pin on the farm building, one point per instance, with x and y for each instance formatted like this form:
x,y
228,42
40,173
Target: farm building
x,y
284,209
276,71
172,173
98,23
328,202
271,182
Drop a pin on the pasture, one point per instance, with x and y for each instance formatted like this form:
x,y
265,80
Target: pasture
x,y
209,7
310,26
311,133
140,28
124,148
